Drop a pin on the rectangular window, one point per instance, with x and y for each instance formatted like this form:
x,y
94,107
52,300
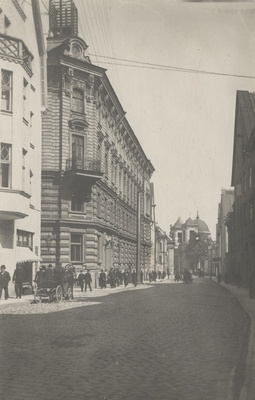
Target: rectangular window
x,y
106,163
24,177
76,247
6,90
78,101
76,204
179,237
78,152
5,170
24,239
25,102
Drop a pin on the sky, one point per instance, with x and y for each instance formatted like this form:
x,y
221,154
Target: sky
x,y
183,120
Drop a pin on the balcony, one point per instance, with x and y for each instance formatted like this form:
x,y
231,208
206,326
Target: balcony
x,y
14,204
84,167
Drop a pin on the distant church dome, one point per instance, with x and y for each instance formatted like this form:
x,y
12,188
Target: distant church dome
x,y
201,225
190,222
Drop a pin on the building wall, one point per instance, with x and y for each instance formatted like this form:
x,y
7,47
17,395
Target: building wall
x,y
225,207
107,216
20,200
240,222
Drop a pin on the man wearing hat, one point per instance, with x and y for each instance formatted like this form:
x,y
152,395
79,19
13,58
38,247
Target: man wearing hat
x,y
4,280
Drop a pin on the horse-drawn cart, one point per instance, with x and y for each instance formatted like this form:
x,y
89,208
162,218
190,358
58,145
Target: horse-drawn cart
x,y
59,288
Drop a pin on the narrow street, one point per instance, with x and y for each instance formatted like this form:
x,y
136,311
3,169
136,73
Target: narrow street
x,y
168,341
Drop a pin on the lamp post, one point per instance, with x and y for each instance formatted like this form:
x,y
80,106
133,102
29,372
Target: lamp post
x,y
210,258
138,248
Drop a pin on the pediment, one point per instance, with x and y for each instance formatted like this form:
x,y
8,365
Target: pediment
x,y
75,48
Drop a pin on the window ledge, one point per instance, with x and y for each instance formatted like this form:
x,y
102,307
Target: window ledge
x,y
6,112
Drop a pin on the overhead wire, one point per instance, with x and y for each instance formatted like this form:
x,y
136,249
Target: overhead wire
x,y
147,65
108,26
87,31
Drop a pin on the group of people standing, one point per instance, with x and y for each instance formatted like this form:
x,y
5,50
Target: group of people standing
x,y
67,277
85,279
18,279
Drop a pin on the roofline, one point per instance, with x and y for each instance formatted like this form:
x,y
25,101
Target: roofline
x,y
101,73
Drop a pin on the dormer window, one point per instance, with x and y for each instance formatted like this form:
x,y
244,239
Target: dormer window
x,y
78,101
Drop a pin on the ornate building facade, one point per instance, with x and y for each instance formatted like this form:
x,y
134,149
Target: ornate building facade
x,y
96,191
22,60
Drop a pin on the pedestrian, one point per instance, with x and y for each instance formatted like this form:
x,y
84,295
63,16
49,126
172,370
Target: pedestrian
x,y
41,276
141,276
134,277
88,280
49,273
4,281
102,279
18,278
219,278
58,274
81,280
126,277
112,278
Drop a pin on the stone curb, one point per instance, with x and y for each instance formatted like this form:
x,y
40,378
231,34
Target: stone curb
x,y
245,393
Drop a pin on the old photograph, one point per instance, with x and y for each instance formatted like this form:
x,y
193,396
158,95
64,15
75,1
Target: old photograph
x,y
127,200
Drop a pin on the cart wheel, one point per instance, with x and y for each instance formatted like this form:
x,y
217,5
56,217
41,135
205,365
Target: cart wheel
x,y
69,294
59,293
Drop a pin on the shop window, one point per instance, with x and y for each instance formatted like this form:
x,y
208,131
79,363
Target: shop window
x,y
6,91
76,247
5,170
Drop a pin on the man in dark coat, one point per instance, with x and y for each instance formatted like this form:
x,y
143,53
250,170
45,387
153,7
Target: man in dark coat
x,y
102,279
81,280
58,274
41,276
134,277
126,277
4,280
88,280
18,279
49,273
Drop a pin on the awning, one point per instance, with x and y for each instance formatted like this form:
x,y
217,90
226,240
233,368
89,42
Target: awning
x,y
24,254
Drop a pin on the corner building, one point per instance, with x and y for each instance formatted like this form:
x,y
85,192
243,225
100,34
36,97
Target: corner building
x,y
95,174
23,96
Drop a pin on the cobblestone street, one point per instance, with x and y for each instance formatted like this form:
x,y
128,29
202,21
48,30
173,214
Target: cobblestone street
x,y
170,341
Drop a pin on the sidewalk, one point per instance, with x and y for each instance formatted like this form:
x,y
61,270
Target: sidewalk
x,y
96,292
242,295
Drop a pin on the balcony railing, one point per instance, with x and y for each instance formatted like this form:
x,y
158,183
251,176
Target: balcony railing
x,y
83,164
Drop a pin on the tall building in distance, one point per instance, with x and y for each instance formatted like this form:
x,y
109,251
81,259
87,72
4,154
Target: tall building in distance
x,y
22,60
181,233
96,188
